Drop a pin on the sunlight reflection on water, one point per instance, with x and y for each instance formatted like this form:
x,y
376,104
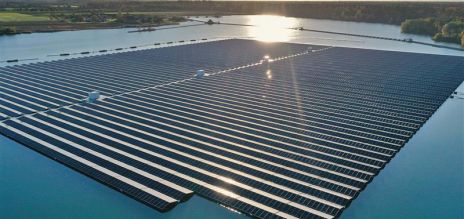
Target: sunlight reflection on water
x,y
270,28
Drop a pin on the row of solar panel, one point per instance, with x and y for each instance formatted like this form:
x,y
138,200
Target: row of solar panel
x,y
349,115
367,63
243,126
32,96
269,103
39,86
227,53
59,132
89,168
344,93
250,149
145,105
272,140
337,94
272,99
382,92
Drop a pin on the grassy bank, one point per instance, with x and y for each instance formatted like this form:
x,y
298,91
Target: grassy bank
x,y
19,17
15,22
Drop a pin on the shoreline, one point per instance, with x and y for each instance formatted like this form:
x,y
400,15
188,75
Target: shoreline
x,y
54,26
51,26
78,27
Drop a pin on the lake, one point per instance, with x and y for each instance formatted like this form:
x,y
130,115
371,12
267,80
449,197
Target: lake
x,y
424,180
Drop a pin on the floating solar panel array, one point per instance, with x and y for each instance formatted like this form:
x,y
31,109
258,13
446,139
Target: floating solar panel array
x,y
41,86
296,137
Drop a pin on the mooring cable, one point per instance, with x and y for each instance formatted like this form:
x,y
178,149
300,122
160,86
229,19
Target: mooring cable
x,y
405,40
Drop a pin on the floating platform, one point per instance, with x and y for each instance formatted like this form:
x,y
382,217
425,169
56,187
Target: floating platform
x,y
299,135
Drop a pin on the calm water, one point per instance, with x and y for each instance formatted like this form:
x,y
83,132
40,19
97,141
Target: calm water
x,y
425,180
40,45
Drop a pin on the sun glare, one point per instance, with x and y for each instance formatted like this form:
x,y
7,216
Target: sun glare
x,y
270,28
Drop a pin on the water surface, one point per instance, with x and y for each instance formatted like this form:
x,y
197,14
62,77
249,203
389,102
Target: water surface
x,y
424,180
40,45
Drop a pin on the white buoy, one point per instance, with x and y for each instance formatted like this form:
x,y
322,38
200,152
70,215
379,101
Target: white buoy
x,y
266,59
93,96
200,73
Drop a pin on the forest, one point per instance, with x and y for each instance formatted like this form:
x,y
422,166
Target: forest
x,y
441,20
378,12
441,29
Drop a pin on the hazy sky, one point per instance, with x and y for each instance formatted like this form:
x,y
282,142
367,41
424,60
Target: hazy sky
x,y
342,0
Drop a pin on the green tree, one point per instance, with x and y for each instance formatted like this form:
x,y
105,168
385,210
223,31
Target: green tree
x,y
453,28
450,32
424,26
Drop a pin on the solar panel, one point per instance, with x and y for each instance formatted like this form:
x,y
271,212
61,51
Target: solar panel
x,y
298,136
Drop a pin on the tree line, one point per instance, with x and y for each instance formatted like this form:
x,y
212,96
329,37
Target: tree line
x,y
378,12
441,29
442,20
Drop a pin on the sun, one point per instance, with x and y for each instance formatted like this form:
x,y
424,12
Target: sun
x,y
270,28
